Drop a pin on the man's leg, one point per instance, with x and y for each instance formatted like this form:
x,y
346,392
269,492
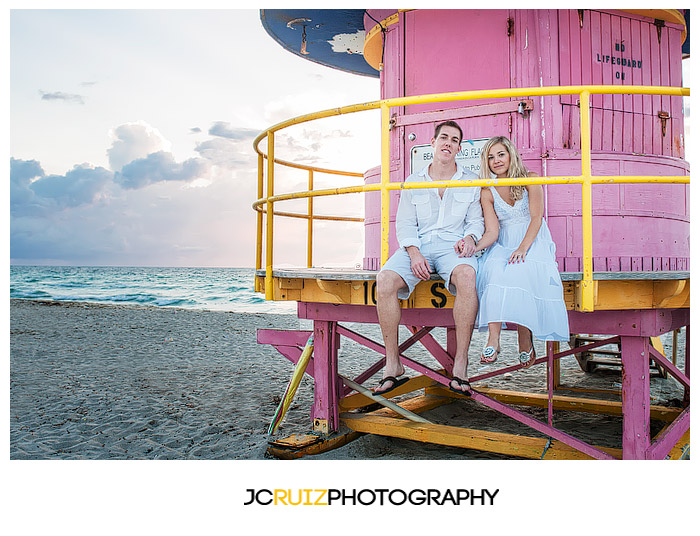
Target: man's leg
x,y
389,312
464,311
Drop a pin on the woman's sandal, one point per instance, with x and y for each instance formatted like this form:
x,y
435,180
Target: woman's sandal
x,y
527,359
489,354
461,383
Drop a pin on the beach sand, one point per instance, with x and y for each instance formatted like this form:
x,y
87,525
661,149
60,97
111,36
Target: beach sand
x,y
105,382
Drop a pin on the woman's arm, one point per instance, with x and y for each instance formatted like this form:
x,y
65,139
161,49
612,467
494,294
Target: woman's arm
x,y
490,220
536,200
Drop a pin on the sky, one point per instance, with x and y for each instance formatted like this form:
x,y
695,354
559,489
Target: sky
x,y
131,138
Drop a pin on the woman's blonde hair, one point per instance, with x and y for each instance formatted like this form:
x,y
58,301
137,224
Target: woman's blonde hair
x,y
516,168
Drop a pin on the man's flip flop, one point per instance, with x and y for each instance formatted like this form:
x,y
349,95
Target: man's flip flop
x,y
395,382
461,383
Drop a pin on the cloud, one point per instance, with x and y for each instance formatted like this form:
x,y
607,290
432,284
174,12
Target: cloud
x,y
81,185
231,147
157,167
60,96
22,173
34,193
226,153
225,130
163,224
133,141
139,212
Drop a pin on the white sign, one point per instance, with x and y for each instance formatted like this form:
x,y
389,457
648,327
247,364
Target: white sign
x,y
469,155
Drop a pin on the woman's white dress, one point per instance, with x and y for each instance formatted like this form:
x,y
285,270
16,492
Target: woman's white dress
x,y
528,293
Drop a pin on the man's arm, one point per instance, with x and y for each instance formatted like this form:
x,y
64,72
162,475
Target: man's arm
x,y
407,235
407,222
474,220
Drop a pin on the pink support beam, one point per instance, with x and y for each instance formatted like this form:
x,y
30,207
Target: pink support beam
x,y
326,378
377,347
670,367
287,337
550,382
444,357
368,314
635,397
686,394
669,437
542,427
640,322
289,343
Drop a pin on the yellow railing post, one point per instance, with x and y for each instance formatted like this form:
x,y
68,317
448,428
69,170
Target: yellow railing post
x,y
259,225
270,213
310,229
587,288
385,183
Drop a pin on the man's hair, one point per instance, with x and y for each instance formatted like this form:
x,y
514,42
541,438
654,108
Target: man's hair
x,y
448,124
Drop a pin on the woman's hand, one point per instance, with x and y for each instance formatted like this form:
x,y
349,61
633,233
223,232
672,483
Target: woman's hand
x,y
518,255
465,247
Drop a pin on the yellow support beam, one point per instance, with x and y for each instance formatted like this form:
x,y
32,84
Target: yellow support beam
x,y
259,223
310,223
386,162
439,434
270,213
419,382
587,287
609,294
563,403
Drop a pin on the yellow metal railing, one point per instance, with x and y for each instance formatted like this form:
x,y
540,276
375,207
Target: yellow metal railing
x,y
310,216
585,179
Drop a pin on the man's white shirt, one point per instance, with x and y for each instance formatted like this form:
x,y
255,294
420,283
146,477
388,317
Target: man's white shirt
x,y
422,214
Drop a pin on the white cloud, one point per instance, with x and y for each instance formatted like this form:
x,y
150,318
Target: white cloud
x,y
160,166
61,96
132,141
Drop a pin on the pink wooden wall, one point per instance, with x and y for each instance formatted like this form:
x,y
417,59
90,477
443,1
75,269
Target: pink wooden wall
x,y
635,227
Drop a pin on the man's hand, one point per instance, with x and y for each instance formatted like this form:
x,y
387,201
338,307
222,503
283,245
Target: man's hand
x,y
465,247
419,264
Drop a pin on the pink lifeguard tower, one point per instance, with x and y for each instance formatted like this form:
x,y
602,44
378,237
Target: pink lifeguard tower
x,y
616,202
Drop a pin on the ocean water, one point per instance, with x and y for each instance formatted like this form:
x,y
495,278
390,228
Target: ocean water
x,y
218,289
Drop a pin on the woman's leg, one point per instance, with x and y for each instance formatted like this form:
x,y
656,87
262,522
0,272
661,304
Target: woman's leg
x,y
525,341
494,335
526,346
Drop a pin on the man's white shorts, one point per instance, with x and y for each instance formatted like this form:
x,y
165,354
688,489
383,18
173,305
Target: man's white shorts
x,y
441,257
